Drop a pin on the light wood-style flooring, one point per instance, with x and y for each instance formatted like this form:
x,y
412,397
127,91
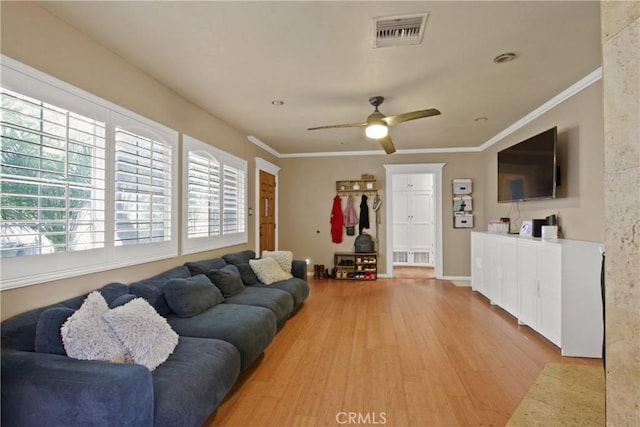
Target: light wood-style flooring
x,y
398,352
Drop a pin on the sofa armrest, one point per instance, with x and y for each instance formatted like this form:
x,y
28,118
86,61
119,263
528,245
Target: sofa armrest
x,y
299,269
50,389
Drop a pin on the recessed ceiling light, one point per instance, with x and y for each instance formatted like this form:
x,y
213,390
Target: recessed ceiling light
x,y
480,119
505,57
277,102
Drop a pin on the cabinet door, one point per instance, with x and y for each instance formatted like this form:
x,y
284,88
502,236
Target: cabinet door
x,y
477,262
422,228
510,294
401,223
528,283
421,182
401,182
493,254
550,292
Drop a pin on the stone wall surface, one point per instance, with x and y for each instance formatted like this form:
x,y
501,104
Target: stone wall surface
x,y
620,25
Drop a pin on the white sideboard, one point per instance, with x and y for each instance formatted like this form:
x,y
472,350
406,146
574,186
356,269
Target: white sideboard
x,y
552,286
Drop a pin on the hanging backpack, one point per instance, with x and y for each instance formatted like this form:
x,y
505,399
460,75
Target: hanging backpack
x,y
364,244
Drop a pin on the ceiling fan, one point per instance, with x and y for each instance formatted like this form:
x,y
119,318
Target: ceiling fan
x,y
377,124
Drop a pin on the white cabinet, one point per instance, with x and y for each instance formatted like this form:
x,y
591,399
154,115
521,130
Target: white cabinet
x,y
477,263
539,269
413,220
495,271
510,289
551,286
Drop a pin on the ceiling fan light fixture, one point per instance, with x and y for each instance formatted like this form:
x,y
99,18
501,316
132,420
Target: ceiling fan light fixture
x,y
376,130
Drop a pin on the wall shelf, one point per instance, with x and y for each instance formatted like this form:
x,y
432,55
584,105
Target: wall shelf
x,y
357,186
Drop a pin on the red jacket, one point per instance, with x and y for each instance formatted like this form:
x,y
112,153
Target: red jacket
x,y
336,220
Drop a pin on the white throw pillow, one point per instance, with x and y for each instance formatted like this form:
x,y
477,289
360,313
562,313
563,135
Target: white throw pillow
x,y
86,336
145,334
284,259
268,270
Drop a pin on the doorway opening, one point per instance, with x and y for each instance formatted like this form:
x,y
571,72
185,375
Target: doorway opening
x,y
414,220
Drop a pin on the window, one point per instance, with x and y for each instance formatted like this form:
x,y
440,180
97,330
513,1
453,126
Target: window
x,y
85,185
214,197
52,175
143,189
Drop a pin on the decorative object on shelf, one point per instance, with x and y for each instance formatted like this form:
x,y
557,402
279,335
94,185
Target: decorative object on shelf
x,y
526,229
549,232
357,186
462,203
496,226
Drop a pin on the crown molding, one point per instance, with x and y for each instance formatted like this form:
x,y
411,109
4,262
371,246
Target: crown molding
x,y
572,90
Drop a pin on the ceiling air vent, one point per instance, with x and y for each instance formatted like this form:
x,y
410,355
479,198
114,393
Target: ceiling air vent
x,y
398,30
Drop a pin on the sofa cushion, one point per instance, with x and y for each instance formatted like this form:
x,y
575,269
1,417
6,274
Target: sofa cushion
x,y
112,291
239,257
193,381
152,289
284,259
249,278
278,301
203,267
147,337
298,288
268,270
86,336
122,300
190,296
227,279
48,335
54,390
250,329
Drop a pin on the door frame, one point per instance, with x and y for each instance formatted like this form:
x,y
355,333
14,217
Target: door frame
x,y
263,165
434,169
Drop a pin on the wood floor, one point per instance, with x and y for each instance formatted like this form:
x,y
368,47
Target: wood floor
x,y
398,352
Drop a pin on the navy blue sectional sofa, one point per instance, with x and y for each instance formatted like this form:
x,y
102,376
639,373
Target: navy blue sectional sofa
x,y
40,385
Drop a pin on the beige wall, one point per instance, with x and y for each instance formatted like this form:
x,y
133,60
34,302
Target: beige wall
x,y
307,188
38,39
621,74
580,155
306,185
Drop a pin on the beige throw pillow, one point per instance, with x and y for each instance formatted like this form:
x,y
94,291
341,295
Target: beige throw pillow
x,y
268,270
284,259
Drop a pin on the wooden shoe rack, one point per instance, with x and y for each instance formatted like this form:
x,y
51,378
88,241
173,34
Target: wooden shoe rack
x,y
355,265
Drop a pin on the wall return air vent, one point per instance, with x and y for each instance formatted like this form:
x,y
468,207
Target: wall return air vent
x,y
399,30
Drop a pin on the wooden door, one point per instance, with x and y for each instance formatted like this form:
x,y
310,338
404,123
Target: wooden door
x,y
267,212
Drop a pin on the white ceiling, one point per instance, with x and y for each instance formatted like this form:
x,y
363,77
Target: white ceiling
x,y
234,58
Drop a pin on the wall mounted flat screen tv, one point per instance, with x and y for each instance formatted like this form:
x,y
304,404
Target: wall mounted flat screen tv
x,y
527,170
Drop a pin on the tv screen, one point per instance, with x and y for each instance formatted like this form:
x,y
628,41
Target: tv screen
x,y
527,170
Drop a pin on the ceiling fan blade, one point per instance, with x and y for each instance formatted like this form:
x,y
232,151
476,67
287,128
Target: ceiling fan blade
x,y
348,125
387,144
404,117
